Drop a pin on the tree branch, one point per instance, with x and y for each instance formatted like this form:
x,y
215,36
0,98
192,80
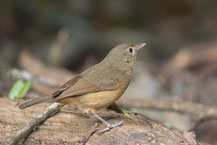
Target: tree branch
x,y
22,134
21,74
196,109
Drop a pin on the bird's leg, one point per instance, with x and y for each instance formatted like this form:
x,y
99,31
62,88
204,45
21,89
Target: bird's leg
x,y
109,126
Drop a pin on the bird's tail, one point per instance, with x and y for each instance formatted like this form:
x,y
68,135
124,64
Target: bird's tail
x,y
35,101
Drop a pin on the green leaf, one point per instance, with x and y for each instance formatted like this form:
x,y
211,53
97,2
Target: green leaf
x,y
15,90
24,90
125,112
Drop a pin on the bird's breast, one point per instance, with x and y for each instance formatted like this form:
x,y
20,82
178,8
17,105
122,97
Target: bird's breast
x,y
99,100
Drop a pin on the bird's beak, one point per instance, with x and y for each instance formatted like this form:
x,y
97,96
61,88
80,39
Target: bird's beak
x,y
139,46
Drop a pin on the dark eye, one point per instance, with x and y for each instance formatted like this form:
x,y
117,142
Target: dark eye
x,y
131,50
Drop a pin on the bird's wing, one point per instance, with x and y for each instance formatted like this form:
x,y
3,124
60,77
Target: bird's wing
x,y
65,86
79,86
90,81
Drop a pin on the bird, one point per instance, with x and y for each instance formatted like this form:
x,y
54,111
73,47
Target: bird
x,y
98,86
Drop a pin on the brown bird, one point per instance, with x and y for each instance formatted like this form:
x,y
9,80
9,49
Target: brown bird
x,y
99,86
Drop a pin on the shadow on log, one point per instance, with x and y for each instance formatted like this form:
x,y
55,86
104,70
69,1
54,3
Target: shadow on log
x,y
70,126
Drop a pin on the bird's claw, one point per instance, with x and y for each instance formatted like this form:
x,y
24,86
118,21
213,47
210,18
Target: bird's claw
x,y
111,126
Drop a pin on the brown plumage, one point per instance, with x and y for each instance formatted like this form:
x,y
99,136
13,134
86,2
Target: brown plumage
x,y
99,86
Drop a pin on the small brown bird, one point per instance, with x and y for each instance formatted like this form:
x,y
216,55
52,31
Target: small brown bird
x,y
99,86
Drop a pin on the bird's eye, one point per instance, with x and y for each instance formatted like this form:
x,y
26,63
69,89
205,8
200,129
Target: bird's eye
x,y
131,50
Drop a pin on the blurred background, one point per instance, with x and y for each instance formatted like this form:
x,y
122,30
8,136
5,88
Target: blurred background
x,y
56,39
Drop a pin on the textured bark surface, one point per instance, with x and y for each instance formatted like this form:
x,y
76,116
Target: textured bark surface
x,y
70,126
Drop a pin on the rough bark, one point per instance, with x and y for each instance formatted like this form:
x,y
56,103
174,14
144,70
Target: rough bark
x,y
70,126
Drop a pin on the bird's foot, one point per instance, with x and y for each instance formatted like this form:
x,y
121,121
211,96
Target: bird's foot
x,y
110,126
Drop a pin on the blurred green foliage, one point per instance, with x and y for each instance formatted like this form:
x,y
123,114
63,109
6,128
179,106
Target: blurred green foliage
x,y
19,89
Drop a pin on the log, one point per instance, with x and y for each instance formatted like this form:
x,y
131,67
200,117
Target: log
x,y
71,126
